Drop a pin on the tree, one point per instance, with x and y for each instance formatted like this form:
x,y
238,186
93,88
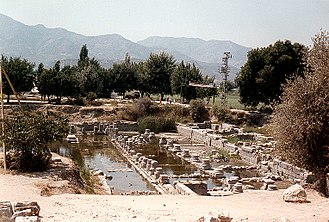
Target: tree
x,y
89,77
106,83
301,121
261,78
183,74
158,71
58,82
141,78
28,134
88,73
68,84
83,56
124,76
20,73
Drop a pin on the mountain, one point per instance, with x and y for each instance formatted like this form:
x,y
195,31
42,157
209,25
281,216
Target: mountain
x,y
200,50
47,45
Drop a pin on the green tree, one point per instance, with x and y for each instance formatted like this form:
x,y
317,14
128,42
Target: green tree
x,y
39,71
89,77
141,79
158,71
124,76
58,82
301,121
28,134
68,84
83,56
260,79
183,74
44,83
105,83
21,74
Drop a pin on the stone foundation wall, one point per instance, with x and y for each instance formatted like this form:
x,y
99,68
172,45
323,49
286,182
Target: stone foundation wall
x,y
248,154
90,126
182,189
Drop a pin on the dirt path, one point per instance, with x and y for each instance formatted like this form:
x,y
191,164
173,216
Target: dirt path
x,y
254,205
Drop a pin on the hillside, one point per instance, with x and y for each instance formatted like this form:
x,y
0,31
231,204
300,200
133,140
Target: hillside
x,y
38,43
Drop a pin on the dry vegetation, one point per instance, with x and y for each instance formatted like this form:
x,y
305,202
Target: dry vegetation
x,y
301,121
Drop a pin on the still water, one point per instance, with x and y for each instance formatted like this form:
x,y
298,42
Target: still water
x,y
97,152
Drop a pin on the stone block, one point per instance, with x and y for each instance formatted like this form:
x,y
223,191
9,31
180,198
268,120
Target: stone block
x,y
26,208
6,210
272,187
27,219
295,193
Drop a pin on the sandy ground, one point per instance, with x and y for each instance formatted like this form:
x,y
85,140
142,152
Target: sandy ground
x,y
248,206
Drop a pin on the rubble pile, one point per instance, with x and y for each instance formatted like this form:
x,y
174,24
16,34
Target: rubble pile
x,y
19,211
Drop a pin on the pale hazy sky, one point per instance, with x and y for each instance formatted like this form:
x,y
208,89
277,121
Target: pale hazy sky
x,y
253,23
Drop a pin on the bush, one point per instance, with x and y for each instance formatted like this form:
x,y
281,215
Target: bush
x,y
91,96
301,121
27,137
156,124
95,103
79,101
198,111
140,108
220,112
28,161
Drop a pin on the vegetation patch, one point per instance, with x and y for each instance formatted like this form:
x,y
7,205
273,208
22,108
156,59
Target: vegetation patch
x,y
156,124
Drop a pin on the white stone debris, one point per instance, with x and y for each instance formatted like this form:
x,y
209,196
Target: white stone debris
x,y
295,193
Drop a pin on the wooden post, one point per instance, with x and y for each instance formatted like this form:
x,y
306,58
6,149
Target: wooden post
x,y
2,121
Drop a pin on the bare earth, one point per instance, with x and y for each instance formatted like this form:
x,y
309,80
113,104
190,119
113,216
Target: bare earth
x,y
248,206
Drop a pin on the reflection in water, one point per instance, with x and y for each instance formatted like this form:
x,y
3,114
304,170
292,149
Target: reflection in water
x,y
97,152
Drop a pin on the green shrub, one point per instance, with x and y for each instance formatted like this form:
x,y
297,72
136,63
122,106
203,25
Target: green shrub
x,y
176,112
198,111
220,112
140,108
156,124
91,96
79,101
28,134
95,103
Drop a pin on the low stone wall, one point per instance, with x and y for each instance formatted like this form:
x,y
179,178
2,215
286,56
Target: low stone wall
x,y
247,153
86,127
183,189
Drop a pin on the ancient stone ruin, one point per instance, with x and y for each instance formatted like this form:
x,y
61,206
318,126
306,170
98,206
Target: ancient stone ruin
x,y
19,211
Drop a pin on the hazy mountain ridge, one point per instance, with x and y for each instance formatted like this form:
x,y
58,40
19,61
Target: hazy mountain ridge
x,y
47,45
205,51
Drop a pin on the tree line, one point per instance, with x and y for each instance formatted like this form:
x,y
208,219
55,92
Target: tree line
x,y
159,74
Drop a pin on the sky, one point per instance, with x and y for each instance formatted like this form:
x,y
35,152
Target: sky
x,y
251,23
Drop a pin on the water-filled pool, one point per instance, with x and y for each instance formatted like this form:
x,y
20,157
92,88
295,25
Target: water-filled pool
x,y
97,152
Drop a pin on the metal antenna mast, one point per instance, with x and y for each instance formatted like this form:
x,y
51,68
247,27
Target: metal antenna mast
x,y
224,70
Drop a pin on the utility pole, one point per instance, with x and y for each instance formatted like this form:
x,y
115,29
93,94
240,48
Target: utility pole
x,y
224,70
